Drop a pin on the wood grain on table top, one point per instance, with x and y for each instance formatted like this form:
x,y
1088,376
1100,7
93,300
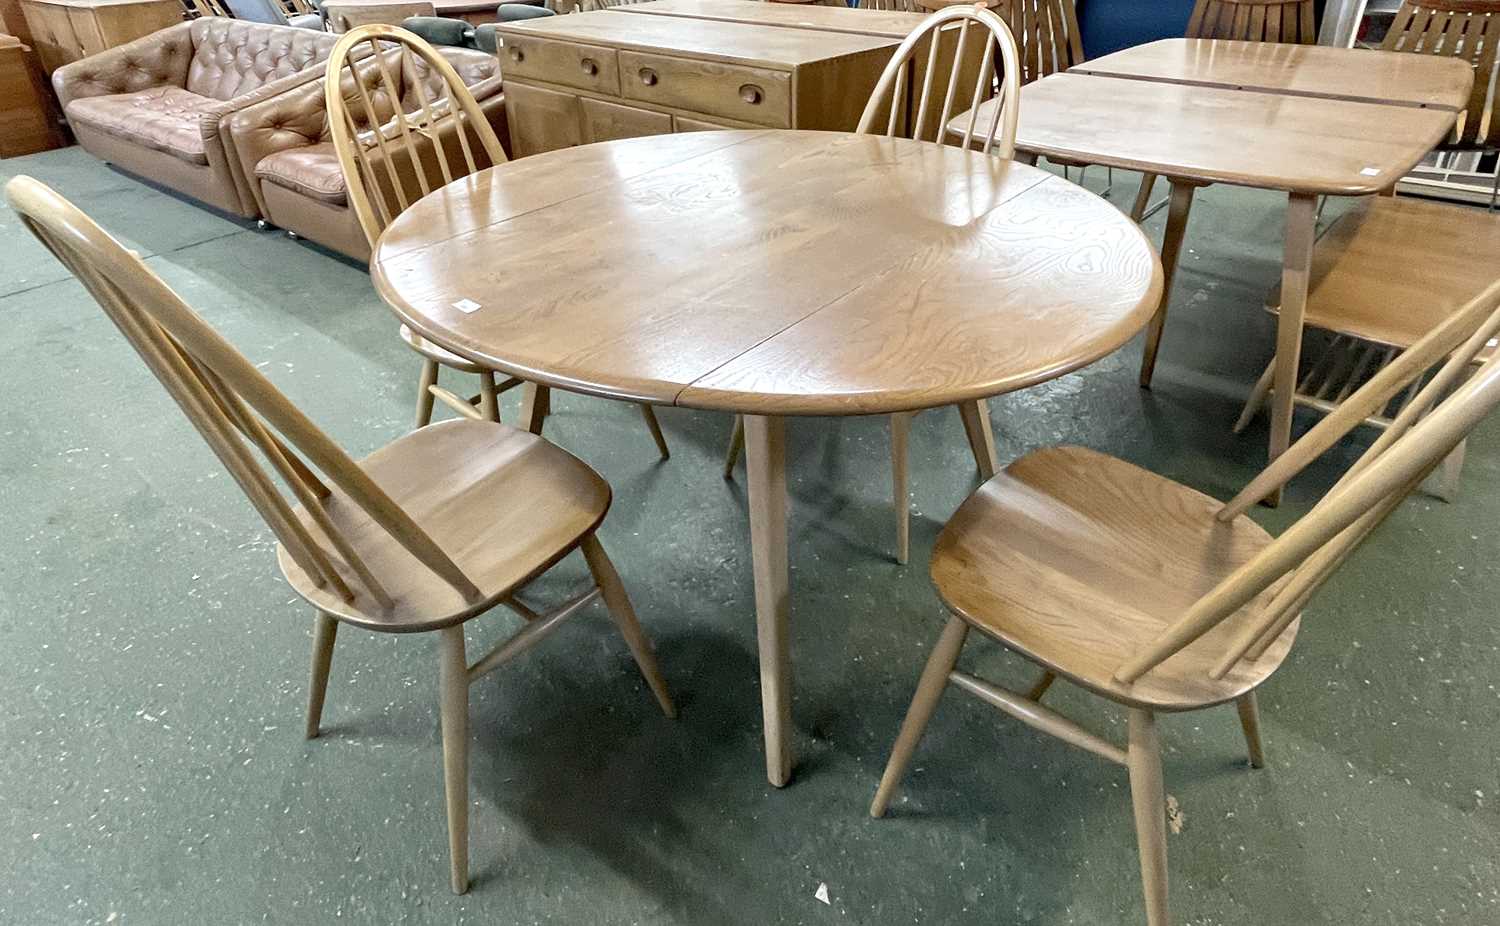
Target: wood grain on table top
x,y
892,23
1215,135
1311,70
730,42
786,272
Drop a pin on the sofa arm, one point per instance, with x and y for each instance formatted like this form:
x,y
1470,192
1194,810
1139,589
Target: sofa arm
x,y
293,118
157,60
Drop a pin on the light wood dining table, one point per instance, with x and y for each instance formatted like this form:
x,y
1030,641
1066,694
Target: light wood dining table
x,y
1308,121
772,274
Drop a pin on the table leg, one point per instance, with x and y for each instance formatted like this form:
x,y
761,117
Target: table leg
x,y
1296,272
535,400
765,461
1171,250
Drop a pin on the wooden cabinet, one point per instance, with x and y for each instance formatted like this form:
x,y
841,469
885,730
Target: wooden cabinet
x,y
26,121
611,74
64,31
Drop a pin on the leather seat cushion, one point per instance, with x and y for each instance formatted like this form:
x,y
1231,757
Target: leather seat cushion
x,y
163,119
312,171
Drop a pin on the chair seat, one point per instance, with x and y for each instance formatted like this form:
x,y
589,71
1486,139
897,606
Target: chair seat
x,y
164,119
312,170
1078,560
433,352
1394,267
504,504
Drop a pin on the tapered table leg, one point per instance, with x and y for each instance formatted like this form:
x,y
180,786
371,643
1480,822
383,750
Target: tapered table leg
x,y
1171,251
765,460
1296,272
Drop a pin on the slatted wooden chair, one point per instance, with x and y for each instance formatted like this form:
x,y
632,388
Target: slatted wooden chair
x,y
1158,598
397,145
421,536
1467,30
964,87
1046,34
196,9
1290,22
1367,305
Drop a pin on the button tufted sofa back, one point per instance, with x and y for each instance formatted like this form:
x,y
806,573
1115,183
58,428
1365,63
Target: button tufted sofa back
x,y
473,67
232,57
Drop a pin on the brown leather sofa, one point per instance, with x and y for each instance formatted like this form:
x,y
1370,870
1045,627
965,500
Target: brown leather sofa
x,y
157,106
284,146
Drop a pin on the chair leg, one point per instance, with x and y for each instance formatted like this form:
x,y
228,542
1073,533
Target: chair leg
x,y
736,445
1041,686
900,434
1148,798
1449,471
1257,399
1250,722
623,614
654,427
325,630
1142,197
424,391
489,400
929,690
453,685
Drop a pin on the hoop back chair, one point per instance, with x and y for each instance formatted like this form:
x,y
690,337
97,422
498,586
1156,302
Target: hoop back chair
x,y
1156,597
896,6
428,532
1467,30
963,88
1000,67
394,148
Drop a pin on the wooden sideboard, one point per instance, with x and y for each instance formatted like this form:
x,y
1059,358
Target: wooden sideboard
x,y
689,65
62,31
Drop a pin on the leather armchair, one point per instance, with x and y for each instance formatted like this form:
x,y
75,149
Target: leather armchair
x,y
284,147
158,106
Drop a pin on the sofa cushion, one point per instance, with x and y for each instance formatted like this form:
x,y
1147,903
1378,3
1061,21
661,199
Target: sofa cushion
x,y
232,58
164,119
312,171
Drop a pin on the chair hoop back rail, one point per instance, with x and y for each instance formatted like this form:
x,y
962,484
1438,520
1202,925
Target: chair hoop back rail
x,y
231,403
391,157
1417,440
1000,136
1463,29
1286,21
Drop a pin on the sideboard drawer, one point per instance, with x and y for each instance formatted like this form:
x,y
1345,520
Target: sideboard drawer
x,y
735,92
587,67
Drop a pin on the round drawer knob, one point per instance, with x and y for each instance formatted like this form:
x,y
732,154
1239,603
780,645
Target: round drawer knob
x,y
589,67
517,54
648,77
752,94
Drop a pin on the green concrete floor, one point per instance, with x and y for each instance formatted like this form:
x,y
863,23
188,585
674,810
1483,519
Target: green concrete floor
x,y
154,663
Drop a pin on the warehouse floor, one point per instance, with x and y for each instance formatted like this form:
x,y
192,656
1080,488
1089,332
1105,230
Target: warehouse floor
x,y
153,768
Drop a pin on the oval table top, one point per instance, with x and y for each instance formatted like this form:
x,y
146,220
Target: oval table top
x,y
771,272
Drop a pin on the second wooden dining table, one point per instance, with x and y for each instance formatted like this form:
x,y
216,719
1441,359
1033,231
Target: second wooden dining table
x,y
1306,121
772,274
